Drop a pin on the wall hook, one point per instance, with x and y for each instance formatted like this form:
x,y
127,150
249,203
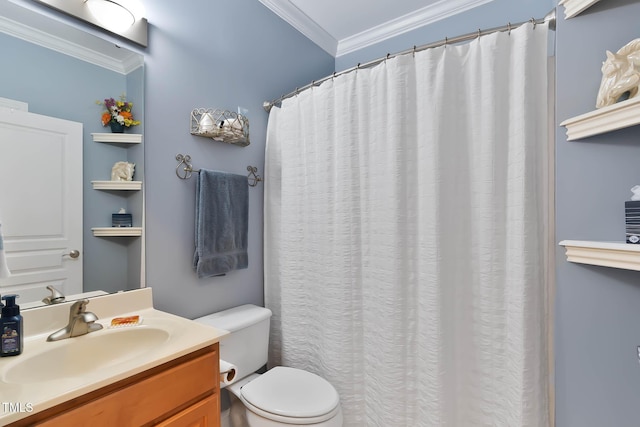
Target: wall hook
x,y
253,178
187,170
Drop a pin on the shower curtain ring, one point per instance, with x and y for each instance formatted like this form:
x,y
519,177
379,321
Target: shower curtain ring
x,y
533,21
479,31
509,28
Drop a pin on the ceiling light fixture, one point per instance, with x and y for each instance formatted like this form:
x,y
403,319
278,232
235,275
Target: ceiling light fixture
x,y
124,18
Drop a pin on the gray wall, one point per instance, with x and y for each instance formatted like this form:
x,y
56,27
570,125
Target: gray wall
x,y
597,308
222,54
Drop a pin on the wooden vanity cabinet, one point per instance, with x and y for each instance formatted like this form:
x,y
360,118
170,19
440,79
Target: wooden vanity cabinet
x,y
197,415
183,392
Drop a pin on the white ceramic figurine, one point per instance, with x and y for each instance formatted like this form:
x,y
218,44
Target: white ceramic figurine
x,y
122,171
620,75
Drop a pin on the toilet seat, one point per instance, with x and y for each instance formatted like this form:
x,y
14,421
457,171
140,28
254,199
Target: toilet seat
x,y
292,396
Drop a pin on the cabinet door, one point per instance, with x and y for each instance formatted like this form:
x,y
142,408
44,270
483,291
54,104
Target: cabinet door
x,y
149,399
205,413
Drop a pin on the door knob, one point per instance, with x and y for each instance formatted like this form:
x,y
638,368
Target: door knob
x,y
74,254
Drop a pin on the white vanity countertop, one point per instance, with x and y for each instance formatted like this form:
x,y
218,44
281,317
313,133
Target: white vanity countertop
x,y
20,399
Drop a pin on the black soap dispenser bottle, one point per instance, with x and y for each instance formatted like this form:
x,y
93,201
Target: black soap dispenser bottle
x,y
10,327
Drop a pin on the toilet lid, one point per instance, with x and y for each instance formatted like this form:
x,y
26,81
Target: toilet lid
x,y
290,392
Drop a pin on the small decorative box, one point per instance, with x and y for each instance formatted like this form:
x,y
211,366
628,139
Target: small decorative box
x,y
632,221
121,220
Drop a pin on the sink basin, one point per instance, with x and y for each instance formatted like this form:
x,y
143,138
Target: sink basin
x,y
48,374
80,356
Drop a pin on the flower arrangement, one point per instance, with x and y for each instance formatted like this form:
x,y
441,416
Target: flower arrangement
x,y
118,112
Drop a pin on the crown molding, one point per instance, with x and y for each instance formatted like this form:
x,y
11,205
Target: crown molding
x,y
301,22
403,24
411,21
131,62
68,47
575,7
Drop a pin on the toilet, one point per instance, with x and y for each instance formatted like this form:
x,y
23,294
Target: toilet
x,y
281,396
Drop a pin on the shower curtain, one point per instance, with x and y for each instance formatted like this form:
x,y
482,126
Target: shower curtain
x,y
405,241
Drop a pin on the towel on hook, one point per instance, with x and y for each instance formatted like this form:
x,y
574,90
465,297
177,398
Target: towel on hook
x,y
222,223
4,270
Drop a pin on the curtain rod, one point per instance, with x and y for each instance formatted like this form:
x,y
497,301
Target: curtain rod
x,y
550,18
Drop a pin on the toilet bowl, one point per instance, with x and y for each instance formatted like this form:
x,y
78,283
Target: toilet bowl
x,y
282,396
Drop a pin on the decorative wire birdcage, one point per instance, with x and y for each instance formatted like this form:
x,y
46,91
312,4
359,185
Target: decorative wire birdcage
x,y
220,125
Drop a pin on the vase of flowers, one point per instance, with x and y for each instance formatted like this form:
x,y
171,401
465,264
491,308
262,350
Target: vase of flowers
x,y
118,114
116,127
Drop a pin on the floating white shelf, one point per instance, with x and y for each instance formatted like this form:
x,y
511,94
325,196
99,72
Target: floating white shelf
x,y
574,7
606,254
117,185
121,138
617,116
116,231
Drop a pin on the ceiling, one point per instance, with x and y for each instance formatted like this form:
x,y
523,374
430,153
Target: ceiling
x,y
343,26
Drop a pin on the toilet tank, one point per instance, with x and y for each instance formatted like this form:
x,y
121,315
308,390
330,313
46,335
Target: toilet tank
x,y
247,345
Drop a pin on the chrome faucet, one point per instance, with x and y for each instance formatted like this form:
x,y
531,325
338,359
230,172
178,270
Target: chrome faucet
x,y
81,322
56,296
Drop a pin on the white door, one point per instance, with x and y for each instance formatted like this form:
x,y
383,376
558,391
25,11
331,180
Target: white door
x,y
40,203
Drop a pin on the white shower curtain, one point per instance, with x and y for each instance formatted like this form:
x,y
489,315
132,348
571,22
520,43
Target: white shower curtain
x,y
405,235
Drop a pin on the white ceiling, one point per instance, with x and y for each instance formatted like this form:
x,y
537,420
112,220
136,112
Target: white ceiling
x,y
343,26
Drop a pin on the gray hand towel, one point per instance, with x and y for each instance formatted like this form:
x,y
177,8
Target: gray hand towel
x,y
222,222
